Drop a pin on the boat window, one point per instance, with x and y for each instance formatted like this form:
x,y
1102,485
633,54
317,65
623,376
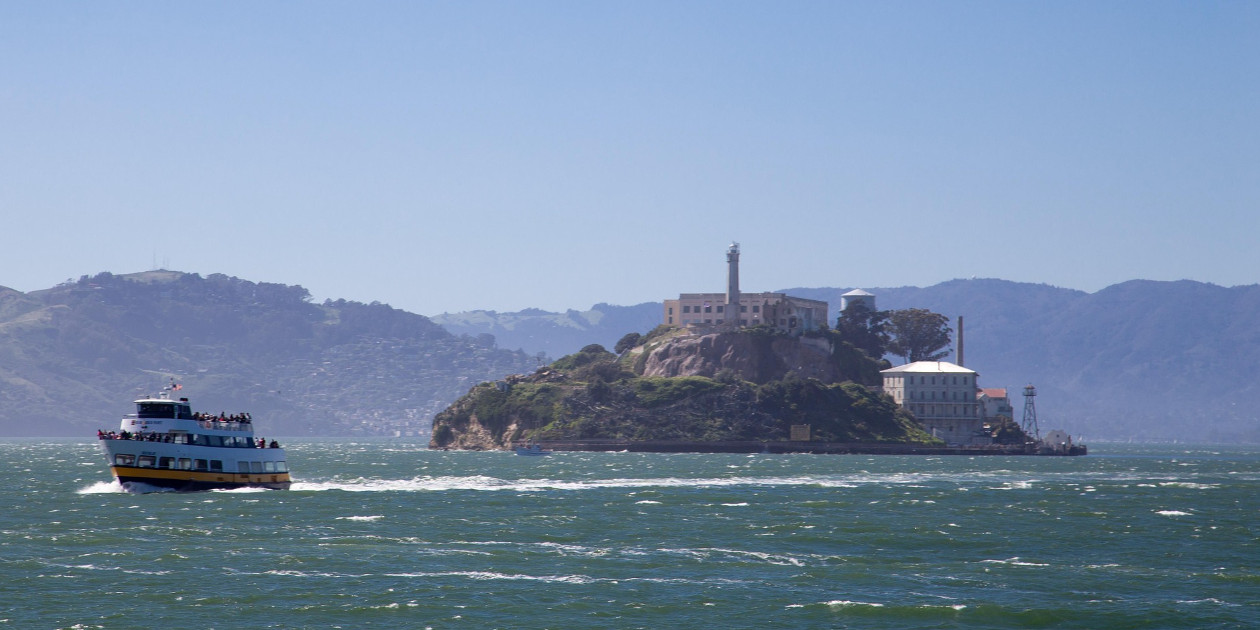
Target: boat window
x,y
166,462
216,465
199,464
155,410
269,467
255,467
147,461
124,460
185,463
282,467
183,412
214,440
242,467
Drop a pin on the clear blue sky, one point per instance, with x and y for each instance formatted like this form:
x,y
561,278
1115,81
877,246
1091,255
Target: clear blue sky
x,y
447,156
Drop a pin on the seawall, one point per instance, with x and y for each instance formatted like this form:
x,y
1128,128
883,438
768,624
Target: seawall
x,y
818,448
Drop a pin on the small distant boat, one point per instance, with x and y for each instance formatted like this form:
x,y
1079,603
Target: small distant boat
x,y
531,449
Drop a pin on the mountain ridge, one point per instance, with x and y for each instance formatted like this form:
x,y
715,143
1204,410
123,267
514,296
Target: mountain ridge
x,y
73,357
1140,360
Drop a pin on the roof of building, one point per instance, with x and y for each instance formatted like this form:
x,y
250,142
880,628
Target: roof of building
x,y
929,367
994,392
858,293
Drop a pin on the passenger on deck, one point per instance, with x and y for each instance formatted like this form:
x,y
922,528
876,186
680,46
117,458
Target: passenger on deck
x,y
275,444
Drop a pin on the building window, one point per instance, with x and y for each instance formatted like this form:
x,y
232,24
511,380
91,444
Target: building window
x,y
720,307
687,309
743,308
756,308
671,310
708,309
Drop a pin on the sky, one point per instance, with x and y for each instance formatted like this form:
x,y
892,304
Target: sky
x,y
451,156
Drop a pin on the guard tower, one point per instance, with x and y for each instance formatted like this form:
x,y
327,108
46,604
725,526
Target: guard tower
x,y
1030,414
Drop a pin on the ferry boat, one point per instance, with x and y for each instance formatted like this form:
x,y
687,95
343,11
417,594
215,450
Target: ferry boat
x,y
165,444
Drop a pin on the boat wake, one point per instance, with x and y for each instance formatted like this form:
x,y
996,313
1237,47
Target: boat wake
x,y
114,487
491,484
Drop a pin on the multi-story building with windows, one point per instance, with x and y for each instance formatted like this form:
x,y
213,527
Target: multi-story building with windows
x,y
942,396
734,309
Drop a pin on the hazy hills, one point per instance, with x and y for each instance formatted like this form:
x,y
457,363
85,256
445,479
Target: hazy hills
x,y
73,357
555,334
1138,360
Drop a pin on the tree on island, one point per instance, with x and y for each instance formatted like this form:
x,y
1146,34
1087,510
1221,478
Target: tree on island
x,y
865,329
918,334
627,342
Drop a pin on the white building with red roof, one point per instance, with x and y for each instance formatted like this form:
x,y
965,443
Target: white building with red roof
x,y
994,402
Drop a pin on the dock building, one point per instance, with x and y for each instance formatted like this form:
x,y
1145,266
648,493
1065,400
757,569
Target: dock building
x,y
942,396
994,402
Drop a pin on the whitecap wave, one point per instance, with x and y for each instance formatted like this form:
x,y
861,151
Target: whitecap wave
x,y
103,487
485,483
1015,562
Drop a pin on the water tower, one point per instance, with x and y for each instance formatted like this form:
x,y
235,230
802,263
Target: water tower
x,y
858,296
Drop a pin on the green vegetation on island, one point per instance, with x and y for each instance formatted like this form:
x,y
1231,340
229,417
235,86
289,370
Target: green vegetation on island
x,y
749,384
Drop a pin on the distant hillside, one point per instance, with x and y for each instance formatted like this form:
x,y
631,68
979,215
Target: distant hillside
x,y
73,357
1141,360
555,334
1137,360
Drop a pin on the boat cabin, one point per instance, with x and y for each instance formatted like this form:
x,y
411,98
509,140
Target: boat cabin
x,y
157,408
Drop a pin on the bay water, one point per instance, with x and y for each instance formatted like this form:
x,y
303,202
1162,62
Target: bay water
x,y
383,533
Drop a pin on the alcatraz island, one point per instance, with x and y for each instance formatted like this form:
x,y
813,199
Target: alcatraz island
x,y
755,372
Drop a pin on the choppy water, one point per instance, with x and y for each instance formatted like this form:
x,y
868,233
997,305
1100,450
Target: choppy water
x,y
388,534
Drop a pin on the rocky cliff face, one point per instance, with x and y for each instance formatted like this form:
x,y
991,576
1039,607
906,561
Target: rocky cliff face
x,y
750,357
746,385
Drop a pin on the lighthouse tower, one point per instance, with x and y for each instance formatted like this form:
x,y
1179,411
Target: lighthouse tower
x,y
732,283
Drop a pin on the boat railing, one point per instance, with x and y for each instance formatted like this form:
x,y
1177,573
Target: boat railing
x,y
216,425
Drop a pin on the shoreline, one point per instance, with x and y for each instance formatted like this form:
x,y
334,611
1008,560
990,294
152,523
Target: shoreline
x,y
789,447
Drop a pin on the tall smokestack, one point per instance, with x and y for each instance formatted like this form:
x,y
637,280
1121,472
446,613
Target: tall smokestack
x,y
732,282
960,342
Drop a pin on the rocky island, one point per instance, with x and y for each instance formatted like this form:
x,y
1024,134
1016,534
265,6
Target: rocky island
x,y
686,386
